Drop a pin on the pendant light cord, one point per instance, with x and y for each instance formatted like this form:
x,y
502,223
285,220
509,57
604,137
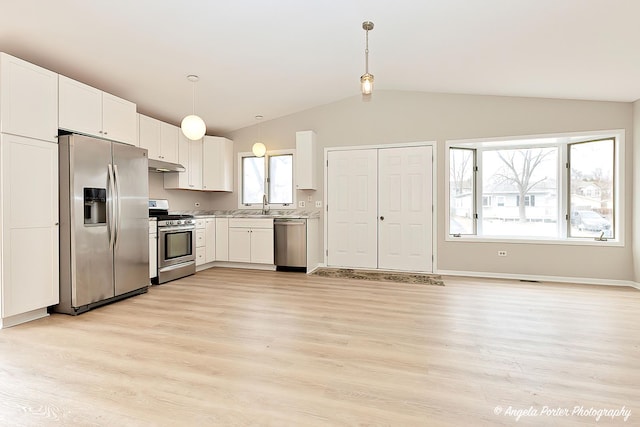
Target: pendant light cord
x,y
366,53
193,106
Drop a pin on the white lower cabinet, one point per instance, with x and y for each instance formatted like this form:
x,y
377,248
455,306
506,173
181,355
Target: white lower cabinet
x,y
153,248
251,240
206,242
29,224
222,239
200,241
239,244
210,239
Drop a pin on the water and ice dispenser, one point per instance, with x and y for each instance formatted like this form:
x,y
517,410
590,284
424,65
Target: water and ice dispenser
x,y
95,206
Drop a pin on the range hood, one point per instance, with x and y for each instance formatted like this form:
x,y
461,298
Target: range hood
x,y
160,166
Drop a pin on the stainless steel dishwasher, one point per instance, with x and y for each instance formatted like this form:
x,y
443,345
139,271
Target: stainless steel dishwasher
x,y
290,243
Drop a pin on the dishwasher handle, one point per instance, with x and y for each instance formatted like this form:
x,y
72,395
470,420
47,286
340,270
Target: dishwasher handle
x,y
288,222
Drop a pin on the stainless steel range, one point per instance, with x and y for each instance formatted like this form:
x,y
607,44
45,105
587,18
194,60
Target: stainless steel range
x,y
176,242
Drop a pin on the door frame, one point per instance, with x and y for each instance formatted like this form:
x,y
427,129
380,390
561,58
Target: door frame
x,y
434,189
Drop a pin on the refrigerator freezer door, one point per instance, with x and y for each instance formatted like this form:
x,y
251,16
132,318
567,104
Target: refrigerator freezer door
x,y
131,255
91,260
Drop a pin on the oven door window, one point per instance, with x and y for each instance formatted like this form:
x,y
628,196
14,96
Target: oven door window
x,y
177,244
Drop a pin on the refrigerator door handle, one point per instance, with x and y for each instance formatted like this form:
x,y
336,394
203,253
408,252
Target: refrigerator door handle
x,y
110,220
118,205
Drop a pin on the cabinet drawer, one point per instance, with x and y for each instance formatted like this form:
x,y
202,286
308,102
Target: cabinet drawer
x,y
200,238
200,256
251,222
200,223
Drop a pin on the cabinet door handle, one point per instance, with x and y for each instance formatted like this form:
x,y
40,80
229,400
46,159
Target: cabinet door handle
x,y
381,218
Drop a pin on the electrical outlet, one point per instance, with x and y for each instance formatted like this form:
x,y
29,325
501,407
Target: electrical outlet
x,y
318,203
301,204
502,253
197,204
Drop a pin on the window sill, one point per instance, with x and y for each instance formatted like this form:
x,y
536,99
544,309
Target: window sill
x,y
258,207
540,241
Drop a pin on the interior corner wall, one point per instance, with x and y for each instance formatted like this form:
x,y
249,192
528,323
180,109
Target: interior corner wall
x,y
396,117
635,189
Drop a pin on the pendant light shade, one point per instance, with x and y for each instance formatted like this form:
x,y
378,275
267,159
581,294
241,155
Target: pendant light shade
x,y
259,149
193,127
366,80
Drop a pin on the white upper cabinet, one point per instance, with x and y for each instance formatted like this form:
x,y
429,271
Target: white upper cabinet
x,y
306,178
189,156
90,111
169,137
119,119
80,107
149,135
217,164
194,169
159,138
28,99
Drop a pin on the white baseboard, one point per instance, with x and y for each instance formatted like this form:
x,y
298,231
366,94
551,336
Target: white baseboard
x,y
7,322
269,267
560,279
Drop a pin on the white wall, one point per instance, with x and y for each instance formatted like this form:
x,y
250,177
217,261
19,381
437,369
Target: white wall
x,y
179,200
394,117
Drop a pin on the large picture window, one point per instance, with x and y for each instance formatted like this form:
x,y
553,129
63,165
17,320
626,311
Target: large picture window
x,y
561,187
270,176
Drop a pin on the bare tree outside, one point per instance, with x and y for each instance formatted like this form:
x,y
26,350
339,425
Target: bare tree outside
x,y
461,170
519,169
461,191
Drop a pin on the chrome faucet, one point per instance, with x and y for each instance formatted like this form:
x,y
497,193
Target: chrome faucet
x,y
265,207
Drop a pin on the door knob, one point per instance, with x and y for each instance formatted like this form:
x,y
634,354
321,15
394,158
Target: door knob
x,y
381,218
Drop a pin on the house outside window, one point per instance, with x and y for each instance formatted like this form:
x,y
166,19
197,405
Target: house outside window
x,y
551,187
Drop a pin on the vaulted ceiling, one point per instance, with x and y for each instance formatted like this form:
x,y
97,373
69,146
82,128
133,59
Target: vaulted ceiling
x,y
278,57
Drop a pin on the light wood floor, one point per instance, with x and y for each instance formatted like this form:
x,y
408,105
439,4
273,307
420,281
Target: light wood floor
x,y
245,347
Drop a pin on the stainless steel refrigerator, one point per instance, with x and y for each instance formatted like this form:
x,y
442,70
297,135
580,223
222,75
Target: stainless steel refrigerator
x,y
104,222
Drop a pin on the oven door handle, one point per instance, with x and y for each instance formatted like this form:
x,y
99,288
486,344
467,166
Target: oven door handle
x,y
167,229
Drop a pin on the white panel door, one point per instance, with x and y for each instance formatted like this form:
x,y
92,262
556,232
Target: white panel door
x,y
405,208
352,209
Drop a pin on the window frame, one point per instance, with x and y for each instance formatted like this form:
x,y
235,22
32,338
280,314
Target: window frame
x,y
563,141
267,177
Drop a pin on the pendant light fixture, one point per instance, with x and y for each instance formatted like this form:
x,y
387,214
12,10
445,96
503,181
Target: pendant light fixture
x,y
192,126
259,149
366,80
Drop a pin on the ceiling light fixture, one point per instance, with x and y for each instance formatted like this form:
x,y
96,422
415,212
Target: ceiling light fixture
x,y
192,126
366,80
259,149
